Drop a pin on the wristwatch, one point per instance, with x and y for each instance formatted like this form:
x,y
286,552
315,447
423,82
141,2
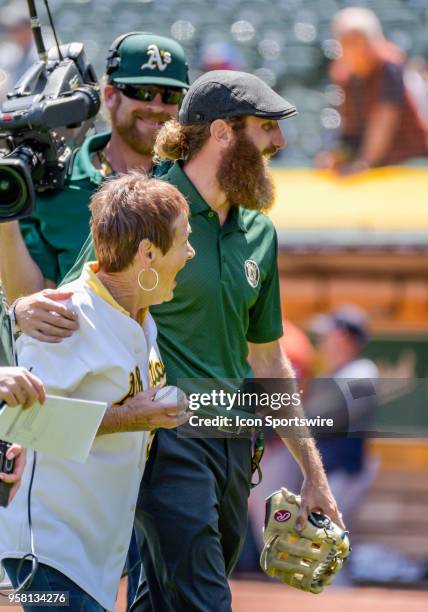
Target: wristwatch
x,y
12,316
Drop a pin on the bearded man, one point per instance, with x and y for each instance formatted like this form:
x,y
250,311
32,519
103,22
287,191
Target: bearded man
x,y
223,322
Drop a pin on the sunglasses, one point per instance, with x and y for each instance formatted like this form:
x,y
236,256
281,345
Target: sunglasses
x,y
147,93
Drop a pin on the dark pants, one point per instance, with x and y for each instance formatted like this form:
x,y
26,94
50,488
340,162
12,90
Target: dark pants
x,y
50,580
133,568
192,510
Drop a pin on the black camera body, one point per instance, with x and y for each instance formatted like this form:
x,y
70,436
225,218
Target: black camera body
x,y
6,466
42,122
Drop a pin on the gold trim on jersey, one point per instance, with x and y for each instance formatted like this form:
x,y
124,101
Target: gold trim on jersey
x,y
135,386
157,374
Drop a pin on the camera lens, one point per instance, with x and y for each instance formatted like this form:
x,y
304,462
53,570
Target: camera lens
x,y
13,191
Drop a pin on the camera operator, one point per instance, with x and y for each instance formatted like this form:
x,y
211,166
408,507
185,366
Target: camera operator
x,y
146,78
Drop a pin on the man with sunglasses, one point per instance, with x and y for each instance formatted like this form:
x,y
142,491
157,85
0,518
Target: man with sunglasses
x,y
145,81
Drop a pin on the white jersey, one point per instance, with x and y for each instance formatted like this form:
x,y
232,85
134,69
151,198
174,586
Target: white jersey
x,y
83,514
358,368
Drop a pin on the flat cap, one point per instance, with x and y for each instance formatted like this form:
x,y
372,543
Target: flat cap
x,y
223,94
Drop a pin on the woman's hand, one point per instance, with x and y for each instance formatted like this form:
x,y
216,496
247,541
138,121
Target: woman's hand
x,y
19,387
143,413
20,455
43,318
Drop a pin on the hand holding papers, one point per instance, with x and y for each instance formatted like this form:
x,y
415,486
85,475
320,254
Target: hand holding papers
x,y
63,426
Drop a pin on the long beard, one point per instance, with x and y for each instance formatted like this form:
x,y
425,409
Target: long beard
x,y
244,176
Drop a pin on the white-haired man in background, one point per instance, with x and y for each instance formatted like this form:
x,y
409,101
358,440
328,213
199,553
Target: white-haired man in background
x,y
381,123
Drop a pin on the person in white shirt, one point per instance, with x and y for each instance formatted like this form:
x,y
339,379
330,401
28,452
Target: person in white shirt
x,y
82,515
351,382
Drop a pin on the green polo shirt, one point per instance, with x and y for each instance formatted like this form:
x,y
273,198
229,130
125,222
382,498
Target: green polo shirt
x,y
56,231
226,296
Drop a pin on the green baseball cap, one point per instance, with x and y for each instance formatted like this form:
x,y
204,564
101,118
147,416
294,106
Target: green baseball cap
x,y
140,57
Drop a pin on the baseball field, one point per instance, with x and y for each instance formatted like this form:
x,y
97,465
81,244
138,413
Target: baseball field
x,y
254,596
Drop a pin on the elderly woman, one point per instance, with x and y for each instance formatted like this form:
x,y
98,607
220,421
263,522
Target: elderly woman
x,y
82,515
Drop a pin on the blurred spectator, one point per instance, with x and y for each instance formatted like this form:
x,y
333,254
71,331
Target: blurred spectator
x,y
18,51
219,55
300,351
416,79
343,335
381,123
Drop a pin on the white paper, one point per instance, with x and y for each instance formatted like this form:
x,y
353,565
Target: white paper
x,y
65,427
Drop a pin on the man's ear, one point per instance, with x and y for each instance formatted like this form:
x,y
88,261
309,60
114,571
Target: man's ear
x,y
110,95
222,132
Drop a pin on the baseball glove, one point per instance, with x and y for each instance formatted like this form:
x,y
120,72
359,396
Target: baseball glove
x,y
308,559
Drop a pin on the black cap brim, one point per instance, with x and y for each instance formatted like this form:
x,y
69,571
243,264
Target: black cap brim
x,y
285,114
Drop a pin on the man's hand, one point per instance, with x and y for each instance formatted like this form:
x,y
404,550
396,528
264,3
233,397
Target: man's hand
x,y
18,387
20,455
317,496
42,317
356,167
143,413
328,160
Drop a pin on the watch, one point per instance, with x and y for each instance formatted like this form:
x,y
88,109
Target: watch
x,y
12,316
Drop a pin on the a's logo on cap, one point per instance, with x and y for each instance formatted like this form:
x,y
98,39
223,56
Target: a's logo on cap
x,y
252,273
158,60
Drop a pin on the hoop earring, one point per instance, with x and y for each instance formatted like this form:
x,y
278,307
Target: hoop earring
x,y
140,284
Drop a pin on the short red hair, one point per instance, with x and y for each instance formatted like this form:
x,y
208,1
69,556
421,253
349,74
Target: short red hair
x,y
128,209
